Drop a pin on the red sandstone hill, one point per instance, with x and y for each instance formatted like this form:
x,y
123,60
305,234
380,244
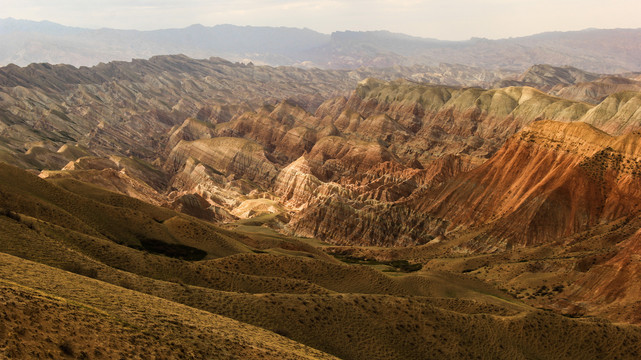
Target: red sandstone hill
x,y
549,181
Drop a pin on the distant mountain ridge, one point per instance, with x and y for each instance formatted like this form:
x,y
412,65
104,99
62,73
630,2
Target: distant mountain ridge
x,y
572,83
603,51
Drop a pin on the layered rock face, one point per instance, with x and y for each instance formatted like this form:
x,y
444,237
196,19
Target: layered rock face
x,y
127,108
596,91
296,183
221,179
127,176
369,207
617,114
612,289
286,129
433,120
546,77
572,83
387,165
234,157
393,153
563,178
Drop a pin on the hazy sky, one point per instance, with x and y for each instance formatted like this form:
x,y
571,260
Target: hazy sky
x,y
442,19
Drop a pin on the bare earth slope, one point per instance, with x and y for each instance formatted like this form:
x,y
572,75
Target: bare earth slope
x,y
68,315
566,178
386,321
572,83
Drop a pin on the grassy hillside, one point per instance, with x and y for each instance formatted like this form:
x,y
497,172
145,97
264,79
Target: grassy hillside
x,y
57,314
62,257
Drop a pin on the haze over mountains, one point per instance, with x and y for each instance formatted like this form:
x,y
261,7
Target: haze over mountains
x,y
603,51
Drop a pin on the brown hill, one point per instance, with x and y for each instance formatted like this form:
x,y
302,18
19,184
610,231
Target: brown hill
x,y
311,301
546,77
359,158
443,120
229,156
67,315
574,84
364,157
402,123
565,178
610,288
617,114
126,108
596,91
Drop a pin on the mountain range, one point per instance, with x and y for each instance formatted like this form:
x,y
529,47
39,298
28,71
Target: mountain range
x,y
604,51
172,207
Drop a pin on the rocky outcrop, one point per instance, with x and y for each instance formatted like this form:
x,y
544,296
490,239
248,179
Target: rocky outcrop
x,y
111,179
546,77
234,157
432,121
573,84
368,207
595,91
336,157
132,167
190,130
221,113
296,185
198,178
286,129
617,114
203,191
131,177
338,220
563,178
250,208
197,206
612,289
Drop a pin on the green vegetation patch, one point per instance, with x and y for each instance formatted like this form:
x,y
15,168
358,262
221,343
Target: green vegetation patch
x,y
177,251
395,265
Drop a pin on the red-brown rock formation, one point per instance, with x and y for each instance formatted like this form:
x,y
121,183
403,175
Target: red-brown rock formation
x,y
549,181
612,289
236,157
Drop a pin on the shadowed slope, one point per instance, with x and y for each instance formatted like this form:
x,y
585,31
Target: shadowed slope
x,y
64,314
351,326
